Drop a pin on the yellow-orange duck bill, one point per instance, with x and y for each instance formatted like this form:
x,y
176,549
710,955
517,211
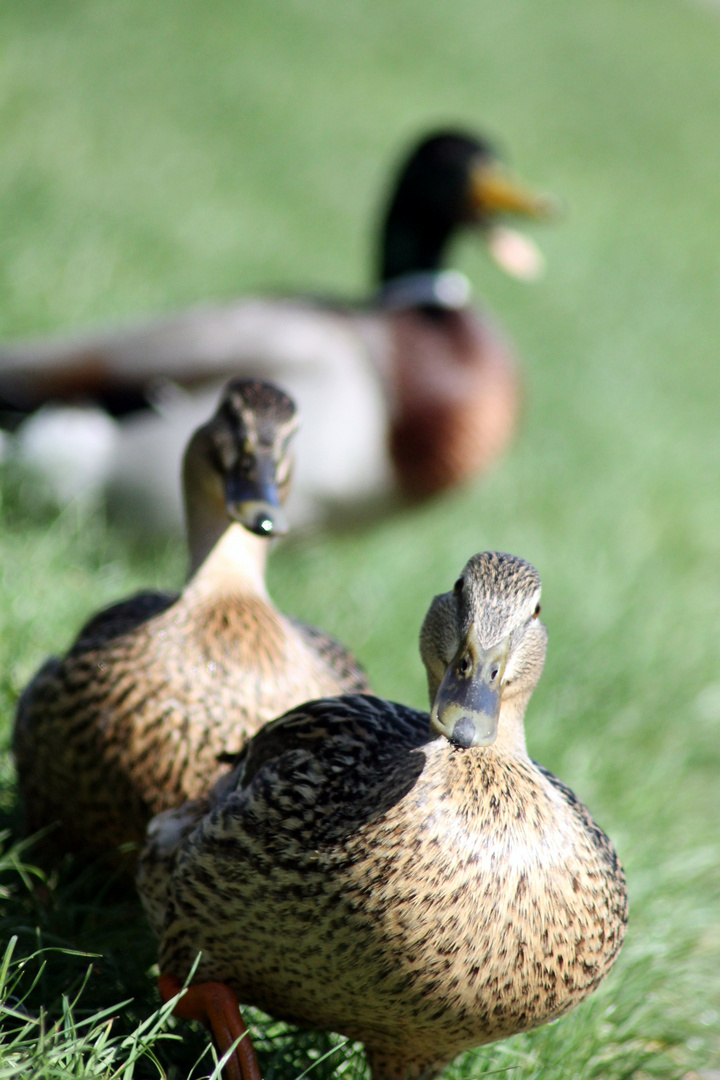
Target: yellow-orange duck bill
x,y
467,705
493,192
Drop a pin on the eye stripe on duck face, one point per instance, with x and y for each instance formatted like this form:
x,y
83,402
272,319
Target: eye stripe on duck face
x,y
533,634
287,434
273,452
284,471
494,619
280,447
529,613
265,438
249,420
227,435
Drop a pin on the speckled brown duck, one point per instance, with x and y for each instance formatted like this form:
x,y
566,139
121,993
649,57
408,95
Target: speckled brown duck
x,y
358,873
133,719
415,388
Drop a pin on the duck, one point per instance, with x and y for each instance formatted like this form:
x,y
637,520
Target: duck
x,y
134,719
413,881
414,387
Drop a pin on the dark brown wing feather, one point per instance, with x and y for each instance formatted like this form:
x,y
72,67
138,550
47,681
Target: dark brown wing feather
x,y
355,732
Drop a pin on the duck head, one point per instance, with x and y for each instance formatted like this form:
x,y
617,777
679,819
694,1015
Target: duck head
x,y
449,181
237,467
483,647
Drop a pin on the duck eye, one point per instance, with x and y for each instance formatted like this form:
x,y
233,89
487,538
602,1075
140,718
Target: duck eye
x,y
536,612
457,587
465,665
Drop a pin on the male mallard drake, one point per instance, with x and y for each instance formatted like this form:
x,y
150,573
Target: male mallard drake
x,y
415,391
357,873
132,720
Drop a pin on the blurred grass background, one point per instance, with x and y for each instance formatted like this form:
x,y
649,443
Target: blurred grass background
x,y
156,154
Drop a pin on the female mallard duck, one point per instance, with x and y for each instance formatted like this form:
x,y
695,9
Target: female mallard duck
x,y
415,391
133,719
356,873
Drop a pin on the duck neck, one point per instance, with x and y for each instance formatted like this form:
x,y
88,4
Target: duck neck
x,y
227,559
446,290
411,246
511,726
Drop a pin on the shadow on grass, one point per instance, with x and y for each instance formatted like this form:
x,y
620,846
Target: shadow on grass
x,y
84,949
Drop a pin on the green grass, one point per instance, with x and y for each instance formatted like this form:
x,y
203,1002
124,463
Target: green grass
x,y
155,154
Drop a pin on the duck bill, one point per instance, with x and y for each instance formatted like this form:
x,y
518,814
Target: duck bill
x,y
466,709
255,503
492,192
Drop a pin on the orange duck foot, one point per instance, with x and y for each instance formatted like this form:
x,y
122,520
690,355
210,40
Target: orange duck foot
x,y
215,1006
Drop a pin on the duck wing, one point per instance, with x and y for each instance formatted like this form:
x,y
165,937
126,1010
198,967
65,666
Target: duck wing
x,y
349,756
120,368
123,617
339,660
335,761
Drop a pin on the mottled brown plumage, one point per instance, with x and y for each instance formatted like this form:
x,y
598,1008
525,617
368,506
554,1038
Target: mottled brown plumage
x,y
134,718
421,894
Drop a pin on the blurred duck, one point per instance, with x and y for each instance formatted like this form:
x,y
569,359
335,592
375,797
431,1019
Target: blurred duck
x,y
415,390
358,873
134,719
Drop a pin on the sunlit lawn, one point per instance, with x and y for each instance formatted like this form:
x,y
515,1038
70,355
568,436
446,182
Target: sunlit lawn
x,y
155,154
